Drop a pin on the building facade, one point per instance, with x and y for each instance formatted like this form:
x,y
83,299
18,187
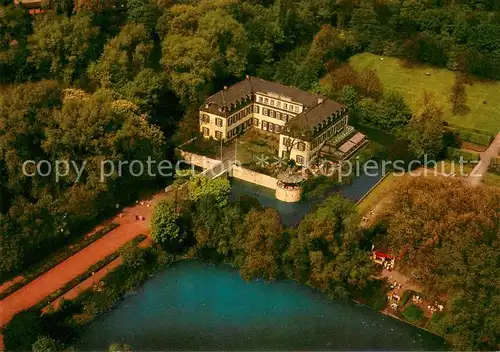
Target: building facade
x,y
303,121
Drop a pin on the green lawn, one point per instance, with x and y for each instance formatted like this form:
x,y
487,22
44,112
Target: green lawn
x,y
410,82
492,179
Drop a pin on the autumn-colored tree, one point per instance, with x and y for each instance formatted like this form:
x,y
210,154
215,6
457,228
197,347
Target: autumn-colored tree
x,y
446,236
370,84
343,76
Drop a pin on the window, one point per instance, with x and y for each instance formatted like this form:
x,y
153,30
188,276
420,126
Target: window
x,y
299,159
255,122
301,146
205,118
278,115
285,106
272,102
218,122
271,127
264,111
265,125
284,154
278,104
206,132
286,142
260,99
230,121
256,109
290,107
229,133
296,109
218,135
278,128
266,101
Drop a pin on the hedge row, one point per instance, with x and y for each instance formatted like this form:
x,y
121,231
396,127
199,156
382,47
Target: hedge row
x,y
473,136
80,278
455,154
39,269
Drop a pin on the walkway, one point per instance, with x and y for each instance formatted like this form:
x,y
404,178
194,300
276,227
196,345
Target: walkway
x,y
481,168
29,295
91,281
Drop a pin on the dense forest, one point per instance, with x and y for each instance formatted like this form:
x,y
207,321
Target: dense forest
x,y
95,80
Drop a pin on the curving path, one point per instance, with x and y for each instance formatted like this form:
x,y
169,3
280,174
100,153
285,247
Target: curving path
x,y
493,150
29,295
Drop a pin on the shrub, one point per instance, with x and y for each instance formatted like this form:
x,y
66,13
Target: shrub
x,y
45,344
455,154
473,136
413,313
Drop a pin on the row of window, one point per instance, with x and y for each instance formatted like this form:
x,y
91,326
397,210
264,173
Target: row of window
x,y
239,115
295,144
276,114
279,104
330,133
238,129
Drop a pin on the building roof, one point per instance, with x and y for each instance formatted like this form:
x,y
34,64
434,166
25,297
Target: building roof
x,y
316,108
318,114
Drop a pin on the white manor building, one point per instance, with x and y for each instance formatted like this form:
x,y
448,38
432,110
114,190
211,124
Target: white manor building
x,y
304,121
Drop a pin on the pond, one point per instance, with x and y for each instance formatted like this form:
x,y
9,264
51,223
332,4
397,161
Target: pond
x,y
193,306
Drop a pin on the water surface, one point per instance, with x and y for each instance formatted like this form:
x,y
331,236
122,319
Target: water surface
x,y
193,306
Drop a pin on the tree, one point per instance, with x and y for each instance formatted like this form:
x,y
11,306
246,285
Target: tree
x,y
425,130
124,57
166,226
15,27
370,85
132,256
458,96
201,187
22,331
259,245
343,76
451,246
188,63
46,344
61,47
324,251
143,12
120,347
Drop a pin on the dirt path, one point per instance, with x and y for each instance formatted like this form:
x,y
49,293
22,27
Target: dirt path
x,y
91,281
52,280
493,150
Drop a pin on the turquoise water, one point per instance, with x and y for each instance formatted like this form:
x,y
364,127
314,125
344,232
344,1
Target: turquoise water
x,y
193,306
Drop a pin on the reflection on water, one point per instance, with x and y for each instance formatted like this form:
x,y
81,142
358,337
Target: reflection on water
x,y
192,306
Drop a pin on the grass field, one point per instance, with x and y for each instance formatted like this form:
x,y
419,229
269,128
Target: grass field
x,y
492,179
410,82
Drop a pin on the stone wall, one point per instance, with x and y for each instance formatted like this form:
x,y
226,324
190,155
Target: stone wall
x,y
254,177
199,160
